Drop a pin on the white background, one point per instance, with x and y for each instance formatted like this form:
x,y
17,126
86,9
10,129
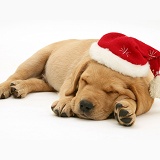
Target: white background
x,y
28,128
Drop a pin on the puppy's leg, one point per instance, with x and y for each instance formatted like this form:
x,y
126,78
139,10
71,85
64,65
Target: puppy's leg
x,y
32,67
20,88
62,107
125,111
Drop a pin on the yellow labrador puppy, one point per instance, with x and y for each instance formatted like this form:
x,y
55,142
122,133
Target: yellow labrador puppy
x,y
87,89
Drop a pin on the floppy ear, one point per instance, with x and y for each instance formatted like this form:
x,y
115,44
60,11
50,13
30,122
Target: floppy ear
x,y
124,91
143,98
139,92
76,74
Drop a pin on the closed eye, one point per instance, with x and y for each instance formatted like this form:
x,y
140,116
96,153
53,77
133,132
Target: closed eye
x,y
110,91
84,80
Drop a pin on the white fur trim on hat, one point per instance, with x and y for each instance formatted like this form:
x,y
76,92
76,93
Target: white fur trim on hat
x,y
155,87
107,58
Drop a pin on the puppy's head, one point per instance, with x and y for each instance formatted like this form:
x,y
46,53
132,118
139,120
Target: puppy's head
x,y
96,87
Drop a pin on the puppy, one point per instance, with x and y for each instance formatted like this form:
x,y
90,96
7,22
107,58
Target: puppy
x,y
87,89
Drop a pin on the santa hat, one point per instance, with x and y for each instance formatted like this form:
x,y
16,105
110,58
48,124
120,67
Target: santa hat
x,y
128,56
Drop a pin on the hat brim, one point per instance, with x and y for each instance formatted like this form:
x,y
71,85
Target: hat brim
x,y
106,57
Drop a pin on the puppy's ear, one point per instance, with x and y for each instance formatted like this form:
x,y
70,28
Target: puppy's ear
x,y
76,74
143,98
139,92
123,90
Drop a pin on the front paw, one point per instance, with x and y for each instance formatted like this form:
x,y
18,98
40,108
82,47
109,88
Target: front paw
x,y
18,88
62,108
5,90
124,114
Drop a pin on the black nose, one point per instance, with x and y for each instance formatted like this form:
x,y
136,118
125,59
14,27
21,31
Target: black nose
x,y
85,105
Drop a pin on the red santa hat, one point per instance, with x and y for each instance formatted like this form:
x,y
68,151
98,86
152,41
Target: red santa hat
x,y
128,56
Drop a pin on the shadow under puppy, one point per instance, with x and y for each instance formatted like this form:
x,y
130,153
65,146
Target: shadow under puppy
x,y
94,78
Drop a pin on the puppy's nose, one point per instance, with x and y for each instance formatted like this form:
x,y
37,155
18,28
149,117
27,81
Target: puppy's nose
x,y
85,105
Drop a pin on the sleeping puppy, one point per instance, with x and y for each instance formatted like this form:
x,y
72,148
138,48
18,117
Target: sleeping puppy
x,y
87,89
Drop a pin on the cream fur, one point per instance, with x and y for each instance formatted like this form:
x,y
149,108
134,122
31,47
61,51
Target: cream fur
x,y
66,67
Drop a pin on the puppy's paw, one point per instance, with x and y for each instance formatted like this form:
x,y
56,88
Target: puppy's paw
x,y
18,89
124,114
5,90
62,108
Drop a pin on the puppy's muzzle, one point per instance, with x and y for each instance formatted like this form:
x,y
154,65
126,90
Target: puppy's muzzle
x,y
85,106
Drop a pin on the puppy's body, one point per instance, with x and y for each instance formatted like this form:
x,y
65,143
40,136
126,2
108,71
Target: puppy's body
x,y
86,88
63,61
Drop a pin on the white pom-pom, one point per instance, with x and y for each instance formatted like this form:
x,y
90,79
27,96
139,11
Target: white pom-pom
x,y
155,87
